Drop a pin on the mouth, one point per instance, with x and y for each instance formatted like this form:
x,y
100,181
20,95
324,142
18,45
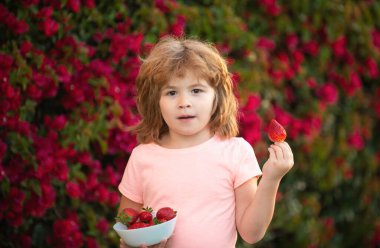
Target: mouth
x,y
185,117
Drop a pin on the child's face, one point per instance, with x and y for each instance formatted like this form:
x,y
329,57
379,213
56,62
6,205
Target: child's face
x,y
186,104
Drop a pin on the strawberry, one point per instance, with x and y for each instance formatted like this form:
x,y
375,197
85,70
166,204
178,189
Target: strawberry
x,y
146,215
137,225
276,132
128,216
165,213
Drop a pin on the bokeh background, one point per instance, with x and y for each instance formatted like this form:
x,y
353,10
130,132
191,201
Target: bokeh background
x,y
67,86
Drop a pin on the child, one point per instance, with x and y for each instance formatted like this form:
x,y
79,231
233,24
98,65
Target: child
x,y
189,158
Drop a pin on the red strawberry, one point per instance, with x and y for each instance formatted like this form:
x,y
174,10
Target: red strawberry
x,y
128,216
137,225
165,213
146,215
276,132
158,221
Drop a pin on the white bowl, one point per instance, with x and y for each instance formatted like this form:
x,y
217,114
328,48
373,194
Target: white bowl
x,y
150,235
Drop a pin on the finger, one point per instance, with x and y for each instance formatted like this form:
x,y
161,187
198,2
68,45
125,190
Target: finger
x,y
272,154
122,245
163,243
278,150
284,149
289,149
169,242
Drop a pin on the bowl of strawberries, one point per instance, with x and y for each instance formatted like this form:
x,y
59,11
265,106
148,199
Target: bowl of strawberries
x,y
146,227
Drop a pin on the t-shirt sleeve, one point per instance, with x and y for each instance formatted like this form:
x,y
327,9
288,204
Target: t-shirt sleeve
x,y
247,166
130,185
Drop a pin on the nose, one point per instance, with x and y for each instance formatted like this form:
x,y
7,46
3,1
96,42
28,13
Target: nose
x,y
183,102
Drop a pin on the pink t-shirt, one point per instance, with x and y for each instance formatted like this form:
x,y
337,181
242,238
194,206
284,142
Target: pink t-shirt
x,y
198,182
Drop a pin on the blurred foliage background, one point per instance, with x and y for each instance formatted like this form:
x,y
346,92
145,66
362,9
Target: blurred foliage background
x,y
67,71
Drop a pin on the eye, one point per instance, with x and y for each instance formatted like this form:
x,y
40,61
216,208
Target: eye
x,y
171,93
196,91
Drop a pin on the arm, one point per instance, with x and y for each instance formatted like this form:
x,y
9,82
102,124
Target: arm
x,y
127,203
255,204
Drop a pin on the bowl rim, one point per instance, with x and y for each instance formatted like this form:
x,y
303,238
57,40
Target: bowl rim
x,y
143,228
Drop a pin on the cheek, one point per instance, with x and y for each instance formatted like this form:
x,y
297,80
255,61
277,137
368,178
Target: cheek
x,y
164,108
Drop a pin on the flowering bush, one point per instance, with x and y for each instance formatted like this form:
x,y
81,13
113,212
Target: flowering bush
x,y
67,72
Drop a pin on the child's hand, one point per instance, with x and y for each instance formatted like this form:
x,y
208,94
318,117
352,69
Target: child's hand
x,y
280,161
163,244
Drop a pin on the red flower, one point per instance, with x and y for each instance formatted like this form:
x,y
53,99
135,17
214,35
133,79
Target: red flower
x,y
376,38
2,176
15,200
63,74
120,141
134,42
89,3
9,20
178,28
271,7
119,46
101,193
49,27
66,234
34,92
372,68
377,108
6,62
111,176
311,48
24,240
328,93
329,227
45,12
354,84
57,123
20,27
74,5
250,124
296,128
26,47
339,47
73,190
355,140
91,243
348,174
282,116
61,171
102,225
312,83
113,199
100,67
265,43
291,41
163,5
38,204
311,125
253,103
28,3
15,219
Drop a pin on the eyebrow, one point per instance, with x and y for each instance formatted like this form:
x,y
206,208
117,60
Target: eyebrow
x,y
166,87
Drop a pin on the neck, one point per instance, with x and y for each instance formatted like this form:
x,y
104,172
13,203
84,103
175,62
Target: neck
x,y
182,141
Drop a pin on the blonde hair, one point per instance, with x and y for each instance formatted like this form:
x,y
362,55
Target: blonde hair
x,y
173,57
